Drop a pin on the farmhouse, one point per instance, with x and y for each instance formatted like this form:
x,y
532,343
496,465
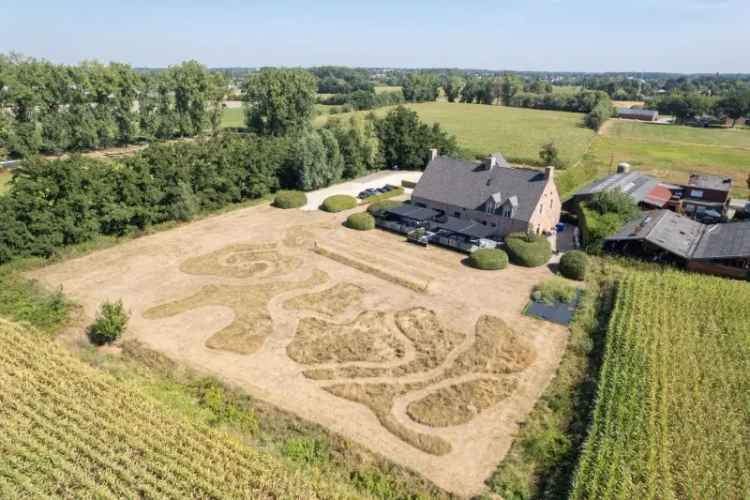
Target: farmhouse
x,y
645,115
704,196
664,236
645,191
492,193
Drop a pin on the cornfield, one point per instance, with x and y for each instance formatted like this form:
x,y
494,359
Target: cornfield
x,y
672,417
68,430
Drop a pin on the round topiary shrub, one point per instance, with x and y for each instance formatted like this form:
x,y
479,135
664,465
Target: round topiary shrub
x,y
290,199
528,250
361,221
573,265
488,259
378,206
338,203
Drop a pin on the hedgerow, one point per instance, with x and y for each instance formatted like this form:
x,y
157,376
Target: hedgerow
x,y
528,250
573,265
488,259
338,203
290,199
361,221
377,207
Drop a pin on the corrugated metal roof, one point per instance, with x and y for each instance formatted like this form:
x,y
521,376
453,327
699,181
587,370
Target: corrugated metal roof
x,y
724,241
714,182
672,232
636,185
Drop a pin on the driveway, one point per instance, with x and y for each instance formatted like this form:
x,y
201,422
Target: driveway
x,y
353,187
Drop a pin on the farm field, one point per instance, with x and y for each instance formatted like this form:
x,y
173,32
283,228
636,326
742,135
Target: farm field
x,y
671,152
72,431
516,132
382,89
672,417
405,351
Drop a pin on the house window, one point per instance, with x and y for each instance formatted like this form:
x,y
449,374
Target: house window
x,y
696,193
456,214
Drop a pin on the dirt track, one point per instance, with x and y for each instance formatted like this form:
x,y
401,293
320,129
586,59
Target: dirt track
x,y
156,272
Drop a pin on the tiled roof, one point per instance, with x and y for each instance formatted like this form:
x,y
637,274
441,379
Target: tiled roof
x,y
469,185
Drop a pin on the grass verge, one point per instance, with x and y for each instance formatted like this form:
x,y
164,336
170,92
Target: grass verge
x,y
543,457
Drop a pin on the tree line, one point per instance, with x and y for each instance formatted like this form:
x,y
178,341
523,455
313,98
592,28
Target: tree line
x,y
50,108
54,203
687,107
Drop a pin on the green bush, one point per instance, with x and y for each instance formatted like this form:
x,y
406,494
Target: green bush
x,y
488,259
554,290
573,265
384,196
111,321
308,450
528,250
375,208
361,221
338,203
290,199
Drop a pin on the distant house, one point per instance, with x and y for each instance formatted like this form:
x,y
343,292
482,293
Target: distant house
x,y
645,115
703,196
492,194
664,236
645,191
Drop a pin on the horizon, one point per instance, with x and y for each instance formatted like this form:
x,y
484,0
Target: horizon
x,y
688,37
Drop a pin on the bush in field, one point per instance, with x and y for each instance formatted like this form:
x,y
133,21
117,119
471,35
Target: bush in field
x,y
488,259
528,250
573,265
338,203
376,207
290,199
361,221
111,321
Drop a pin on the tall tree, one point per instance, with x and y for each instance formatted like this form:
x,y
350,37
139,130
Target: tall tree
x,y
735,105
279,101
452,86
406,141
510,86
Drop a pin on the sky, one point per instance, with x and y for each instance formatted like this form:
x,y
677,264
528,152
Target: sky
x,y
686,36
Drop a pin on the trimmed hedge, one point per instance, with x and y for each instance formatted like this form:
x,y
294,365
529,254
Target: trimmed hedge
x,y
384,196
488,259
573,265
528,250
376,207
338,203
361,221
290,199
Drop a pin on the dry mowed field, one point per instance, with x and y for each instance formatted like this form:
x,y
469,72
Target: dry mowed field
x,y
400,348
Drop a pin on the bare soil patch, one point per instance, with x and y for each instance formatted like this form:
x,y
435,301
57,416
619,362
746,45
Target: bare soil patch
x,y
241,294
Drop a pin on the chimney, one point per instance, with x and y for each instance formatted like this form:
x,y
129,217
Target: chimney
x,y
433,153
623,168
549,173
